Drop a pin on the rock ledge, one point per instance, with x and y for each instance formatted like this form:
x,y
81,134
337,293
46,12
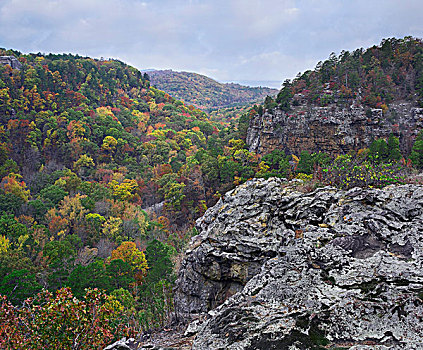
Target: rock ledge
x,y
273,268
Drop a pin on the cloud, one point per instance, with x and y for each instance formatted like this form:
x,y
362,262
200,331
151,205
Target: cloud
x,y
228,39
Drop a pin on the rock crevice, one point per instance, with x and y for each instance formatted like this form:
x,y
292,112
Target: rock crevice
x,y
273,268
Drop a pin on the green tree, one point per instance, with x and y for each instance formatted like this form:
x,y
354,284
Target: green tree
x,y
13,230
91,276
10,203
394,152
61,256
321,159
120,274
53,195
417,151
305,165
278,162
19,285
284,96
159,258
269,103
379,151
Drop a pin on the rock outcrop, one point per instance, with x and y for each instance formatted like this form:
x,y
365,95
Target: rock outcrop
x,y
334,130
273,268
11,61
123,344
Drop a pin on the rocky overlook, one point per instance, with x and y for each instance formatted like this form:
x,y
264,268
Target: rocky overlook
x,y
274,268
332,129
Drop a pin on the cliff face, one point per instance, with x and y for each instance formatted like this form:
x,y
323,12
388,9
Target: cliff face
x,y
11,61
273,268
334,130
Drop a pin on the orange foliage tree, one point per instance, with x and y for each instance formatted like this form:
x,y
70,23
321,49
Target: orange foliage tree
x,y
129,253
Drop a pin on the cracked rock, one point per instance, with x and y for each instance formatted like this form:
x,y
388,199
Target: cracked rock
x,y
273,268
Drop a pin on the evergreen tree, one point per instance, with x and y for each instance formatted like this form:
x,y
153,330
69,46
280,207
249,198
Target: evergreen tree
x,y
284,96
305,165
379,151
19,285
417,152
394,152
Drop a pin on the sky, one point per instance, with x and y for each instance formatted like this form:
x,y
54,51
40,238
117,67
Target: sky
x,y
228,40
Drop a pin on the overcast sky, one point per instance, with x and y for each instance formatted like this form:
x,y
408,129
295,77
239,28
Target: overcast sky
x,y
229,40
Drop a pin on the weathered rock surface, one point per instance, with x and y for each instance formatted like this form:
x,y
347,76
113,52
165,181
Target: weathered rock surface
x,y
162,340
333,129
123,344
273,268
11,61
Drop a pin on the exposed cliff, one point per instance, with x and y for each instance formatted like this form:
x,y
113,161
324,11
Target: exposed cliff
x,y
273,268
11,61
333,129
346,102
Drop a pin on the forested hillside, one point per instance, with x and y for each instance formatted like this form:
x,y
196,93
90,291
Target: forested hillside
x,y
206,93
102,176
355,118
85,145
375,77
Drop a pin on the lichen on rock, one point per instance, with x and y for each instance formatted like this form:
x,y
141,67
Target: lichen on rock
x,y
273,268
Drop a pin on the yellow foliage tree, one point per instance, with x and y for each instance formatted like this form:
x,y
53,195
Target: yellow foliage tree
x,y
4,244
136,214
262,168
111,228
83,161
125,190
72,209
109,143
104,112
129,253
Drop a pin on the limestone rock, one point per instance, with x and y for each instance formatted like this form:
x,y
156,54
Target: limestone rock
x,y
273,268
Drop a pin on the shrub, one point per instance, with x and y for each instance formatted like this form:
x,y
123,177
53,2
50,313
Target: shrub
x,y
61,321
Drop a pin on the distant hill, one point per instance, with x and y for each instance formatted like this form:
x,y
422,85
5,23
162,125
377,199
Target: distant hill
x,y
204,92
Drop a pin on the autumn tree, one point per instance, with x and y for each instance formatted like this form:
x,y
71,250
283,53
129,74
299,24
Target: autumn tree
x,y
129,253
11,185
61,321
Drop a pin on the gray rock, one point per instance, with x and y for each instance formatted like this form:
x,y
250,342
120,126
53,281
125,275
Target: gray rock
x,y
11,61
123,344
333,129
273,268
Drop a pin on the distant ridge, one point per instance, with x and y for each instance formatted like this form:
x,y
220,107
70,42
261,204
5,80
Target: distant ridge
x,y
274,84
206,93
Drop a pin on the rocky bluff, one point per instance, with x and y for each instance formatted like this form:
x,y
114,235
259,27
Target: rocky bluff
x,y
273,268
11,61
333,129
